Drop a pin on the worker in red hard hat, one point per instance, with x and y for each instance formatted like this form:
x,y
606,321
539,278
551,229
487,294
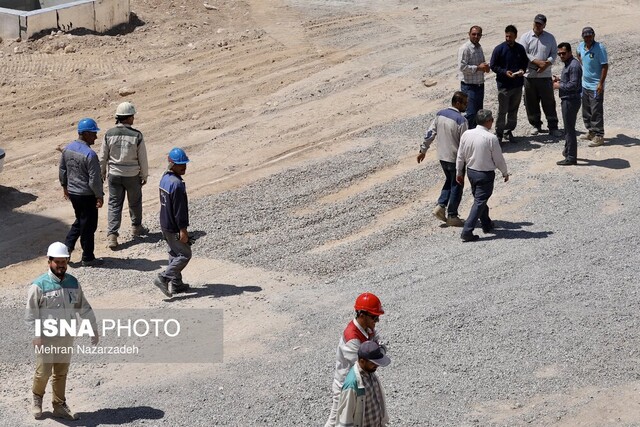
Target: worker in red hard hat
x,y
368,310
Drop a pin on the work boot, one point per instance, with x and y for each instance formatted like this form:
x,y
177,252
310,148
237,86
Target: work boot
x,y
455,221
162,284
440,213
139,230
597,141
63,411
178,288
112,241
36,408
96,262
587,136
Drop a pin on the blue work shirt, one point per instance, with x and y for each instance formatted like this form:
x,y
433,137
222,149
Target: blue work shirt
x,y
174,206
592,62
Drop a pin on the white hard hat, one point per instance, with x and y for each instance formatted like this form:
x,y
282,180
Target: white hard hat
x,y
125,109
58,250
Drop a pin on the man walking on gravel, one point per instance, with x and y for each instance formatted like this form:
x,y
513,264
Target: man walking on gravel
x,y
541,50
368,310
569,86
362,401
446,129
480,152
471,70
174,220
508,61
55,295
123,161
595,66
79,174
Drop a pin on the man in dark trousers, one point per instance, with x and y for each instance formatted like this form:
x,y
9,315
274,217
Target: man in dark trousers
x,y
174,220
569,85
509,61
79,174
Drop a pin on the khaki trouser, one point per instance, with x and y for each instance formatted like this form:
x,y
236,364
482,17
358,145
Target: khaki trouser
x,y
56,367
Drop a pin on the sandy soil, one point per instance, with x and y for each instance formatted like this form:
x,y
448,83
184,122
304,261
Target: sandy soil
x,y
249,90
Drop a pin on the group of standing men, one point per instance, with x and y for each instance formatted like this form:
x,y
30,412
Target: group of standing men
x,y
123,161
523,67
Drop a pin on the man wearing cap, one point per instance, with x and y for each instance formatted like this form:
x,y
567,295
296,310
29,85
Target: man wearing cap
x,y
123,161
55,295
362,401
174,220
471,69
481,154
79,175
446,129
368,310
595,65
508,61
541,48
569,86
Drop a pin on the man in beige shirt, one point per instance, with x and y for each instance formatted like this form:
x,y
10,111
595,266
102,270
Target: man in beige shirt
x,y
481,154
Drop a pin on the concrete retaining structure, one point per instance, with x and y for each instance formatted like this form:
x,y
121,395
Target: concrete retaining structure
x,y
94,15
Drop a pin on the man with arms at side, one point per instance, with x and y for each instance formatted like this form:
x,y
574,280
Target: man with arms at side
x,y
480,152
55,295
541,48
595,66
471,70
446,129
508,61
362,402
569,86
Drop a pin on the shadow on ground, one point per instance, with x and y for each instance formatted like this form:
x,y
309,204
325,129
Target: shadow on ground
x,y
137,264
513,230
622,139
614,163
216,290
528,142
111,416
24,236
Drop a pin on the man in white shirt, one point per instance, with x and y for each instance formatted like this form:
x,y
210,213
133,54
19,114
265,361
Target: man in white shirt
x,y
481,154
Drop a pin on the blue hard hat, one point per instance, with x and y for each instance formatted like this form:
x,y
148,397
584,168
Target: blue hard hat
x,y
178,156
87,125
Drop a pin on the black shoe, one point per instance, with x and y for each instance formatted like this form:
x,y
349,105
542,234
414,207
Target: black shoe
x,y
179,288
566,162
489,228
96,262
162,284
509,137
469,237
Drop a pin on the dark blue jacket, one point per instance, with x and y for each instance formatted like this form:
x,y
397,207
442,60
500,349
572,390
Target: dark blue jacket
x,y
505,58
174,206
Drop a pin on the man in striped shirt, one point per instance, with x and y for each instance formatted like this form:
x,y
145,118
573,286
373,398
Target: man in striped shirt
x,y
471,69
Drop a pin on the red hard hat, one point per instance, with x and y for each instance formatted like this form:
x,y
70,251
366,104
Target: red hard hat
x,y
369,303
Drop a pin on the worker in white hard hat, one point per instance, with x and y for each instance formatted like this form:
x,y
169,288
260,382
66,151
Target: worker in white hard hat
x,y
55,295
123,162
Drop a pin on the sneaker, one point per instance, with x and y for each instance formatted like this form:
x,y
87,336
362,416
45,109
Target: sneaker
x,y
96,262
556,133
597,141
469,237
587,136
178,288
162,284
566,162
455,221
139,230
63,411
439,212
36,408
535,131
112,241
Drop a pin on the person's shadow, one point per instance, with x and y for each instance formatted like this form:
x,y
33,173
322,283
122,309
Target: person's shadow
x,y
513,230
215,290
622,139
614,163
111,416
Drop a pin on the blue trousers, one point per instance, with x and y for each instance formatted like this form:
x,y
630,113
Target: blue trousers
x,y
451,193
475,95
570,109
482,189
179,257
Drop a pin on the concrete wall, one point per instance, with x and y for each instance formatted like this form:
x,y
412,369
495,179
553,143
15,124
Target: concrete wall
x,y
95,15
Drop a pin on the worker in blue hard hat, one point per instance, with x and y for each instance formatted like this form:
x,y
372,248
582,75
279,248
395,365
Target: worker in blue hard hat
x,y
79,174
174,220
